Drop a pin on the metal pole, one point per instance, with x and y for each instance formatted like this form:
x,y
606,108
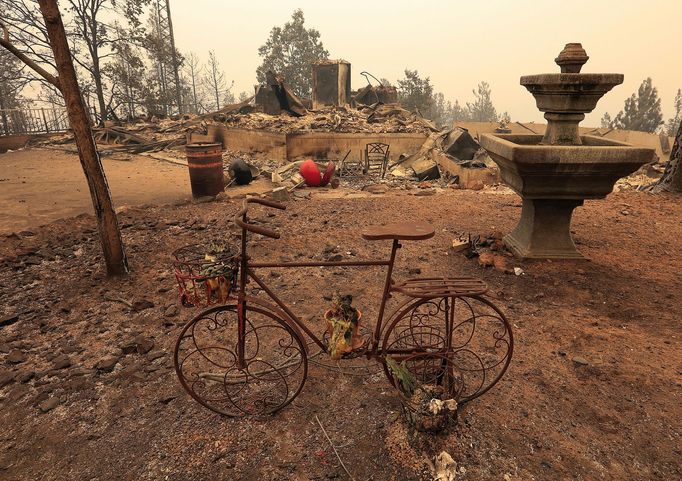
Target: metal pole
x,y
47,127
174,58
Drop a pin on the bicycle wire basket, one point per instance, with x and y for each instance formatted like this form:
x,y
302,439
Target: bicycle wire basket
x,y
206,273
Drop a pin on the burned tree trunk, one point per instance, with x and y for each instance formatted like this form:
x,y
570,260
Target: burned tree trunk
x,y
672,177
66,82
110,235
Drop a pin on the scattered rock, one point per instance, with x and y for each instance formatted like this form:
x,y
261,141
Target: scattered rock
x,y
81,371
581,361
155,355
62,362
204,199
142,304
129,347
6,378
424,192
474,185
18,392
9,320
335,258
143,344
518,271
15,357
32,261
171,311
132,373
25,376
107,364
376,188
500,263
486,259
49,404
167,399
329,249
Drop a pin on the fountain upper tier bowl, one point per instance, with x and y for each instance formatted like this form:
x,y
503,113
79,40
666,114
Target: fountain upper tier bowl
x,y
569,92
586,171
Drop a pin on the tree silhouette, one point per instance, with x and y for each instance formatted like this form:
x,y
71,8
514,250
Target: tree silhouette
x,y
642,111
291,50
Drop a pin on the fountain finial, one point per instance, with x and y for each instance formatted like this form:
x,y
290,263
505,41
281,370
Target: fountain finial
x,y
572,58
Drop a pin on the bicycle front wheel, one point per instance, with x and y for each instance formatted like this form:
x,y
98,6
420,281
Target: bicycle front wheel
x,y
274,368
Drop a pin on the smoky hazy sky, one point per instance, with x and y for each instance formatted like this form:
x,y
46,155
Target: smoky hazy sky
x,y
456,43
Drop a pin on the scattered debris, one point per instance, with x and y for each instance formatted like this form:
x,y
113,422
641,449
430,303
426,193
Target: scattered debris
x,y
436,158
280,194
444,468
312,176
460,244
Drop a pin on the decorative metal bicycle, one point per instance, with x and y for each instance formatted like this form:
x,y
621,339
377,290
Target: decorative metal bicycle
x,y
249,355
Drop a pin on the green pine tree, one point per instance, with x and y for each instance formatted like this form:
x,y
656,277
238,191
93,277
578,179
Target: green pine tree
x,y
291,50
642,111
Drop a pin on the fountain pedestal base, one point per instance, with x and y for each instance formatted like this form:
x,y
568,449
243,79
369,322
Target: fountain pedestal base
x,y
544,230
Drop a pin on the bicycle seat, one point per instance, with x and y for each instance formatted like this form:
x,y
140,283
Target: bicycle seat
x,y
402,231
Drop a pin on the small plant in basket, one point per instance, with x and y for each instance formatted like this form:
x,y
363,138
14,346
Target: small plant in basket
x,y
206,274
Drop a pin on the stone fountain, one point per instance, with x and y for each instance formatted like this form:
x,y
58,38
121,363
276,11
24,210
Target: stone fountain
x,y
556,172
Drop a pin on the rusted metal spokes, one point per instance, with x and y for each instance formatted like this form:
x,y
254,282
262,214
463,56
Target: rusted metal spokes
x,y
275,363
467,335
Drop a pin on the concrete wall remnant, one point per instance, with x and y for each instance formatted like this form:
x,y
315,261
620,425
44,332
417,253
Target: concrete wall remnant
x,y
319,145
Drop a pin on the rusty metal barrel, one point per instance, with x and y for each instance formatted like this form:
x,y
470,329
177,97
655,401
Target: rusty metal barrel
x,y
205,162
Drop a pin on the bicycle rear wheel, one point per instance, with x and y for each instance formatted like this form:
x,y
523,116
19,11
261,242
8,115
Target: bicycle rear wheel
x,y
465,342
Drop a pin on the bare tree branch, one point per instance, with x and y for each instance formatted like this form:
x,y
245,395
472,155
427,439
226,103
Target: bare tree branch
x,y
5,43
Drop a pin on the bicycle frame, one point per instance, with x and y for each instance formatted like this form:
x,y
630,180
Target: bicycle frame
x,y
246,272
418,333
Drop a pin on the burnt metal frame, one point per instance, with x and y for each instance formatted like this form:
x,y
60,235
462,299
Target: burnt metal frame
x,y
376,152
246,272
374,351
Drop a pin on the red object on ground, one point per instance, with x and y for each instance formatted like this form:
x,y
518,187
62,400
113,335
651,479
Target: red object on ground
x,y
331,167
310,173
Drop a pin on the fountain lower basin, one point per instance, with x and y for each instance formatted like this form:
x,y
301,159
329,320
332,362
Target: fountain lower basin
x,y
555,179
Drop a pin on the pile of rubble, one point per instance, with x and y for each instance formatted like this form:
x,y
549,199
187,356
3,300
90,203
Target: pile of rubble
x,y
453,154
376,118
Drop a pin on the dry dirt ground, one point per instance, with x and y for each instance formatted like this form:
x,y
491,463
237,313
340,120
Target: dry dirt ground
x,y
592,393
38,186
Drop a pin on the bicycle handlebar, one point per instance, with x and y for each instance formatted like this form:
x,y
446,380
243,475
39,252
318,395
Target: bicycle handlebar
x,y
239,217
